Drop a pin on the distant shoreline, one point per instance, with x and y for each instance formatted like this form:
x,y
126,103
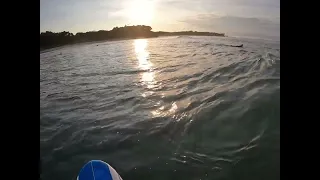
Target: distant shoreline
x,y
49,40
91,42
106,40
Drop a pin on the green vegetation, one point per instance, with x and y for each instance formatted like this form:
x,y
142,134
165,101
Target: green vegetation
x,y
50,39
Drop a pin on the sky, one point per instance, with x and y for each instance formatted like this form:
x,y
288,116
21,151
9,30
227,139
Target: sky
x,y
259,18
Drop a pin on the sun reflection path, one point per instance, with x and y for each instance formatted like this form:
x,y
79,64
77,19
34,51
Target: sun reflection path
x,y
147,77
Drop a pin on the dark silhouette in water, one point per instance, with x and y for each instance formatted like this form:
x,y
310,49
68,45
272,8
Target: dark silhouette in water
x,y
237,45
50,39
241,45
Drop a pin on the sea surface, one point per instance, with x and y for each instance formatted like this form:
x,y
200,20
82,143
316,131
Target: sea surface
x,y
165,108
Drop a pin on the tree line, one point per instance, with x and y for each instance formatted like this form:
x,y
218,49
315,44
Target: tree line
x,y
51,39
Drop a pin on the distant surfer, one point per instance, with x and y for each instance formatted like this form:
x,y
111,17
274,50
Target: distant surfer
x,y
241,45
236,45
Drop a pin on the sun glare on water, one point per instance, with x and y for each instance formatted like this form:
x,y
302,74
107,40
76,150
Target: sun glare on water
x,y
141,12
142,55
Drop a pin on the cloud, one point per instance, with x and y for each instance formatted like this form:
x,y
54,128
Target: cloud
x,y
59,15
243,8
262,16
235,25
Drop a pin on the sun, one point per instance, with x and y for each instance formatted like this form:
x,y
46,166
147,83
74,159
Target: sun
x,y
141,12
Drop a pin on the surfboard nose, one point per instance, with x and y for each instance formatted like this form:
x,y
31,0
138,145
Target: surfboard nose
x,y
98,170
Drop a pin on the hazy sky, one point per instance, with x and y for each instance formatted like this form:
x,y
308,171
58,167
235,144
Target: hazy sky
x,y
234,17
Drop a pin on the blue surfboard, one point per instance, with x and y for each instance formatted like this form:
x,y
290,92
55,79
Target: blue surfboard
x,y
98,170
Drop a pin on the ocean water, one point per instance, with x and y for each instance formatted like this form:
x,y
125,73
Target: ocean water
x,y
163,108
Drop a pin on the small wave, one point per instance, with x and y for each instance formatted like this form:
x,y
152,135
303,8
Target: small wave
x,y
217,53
126,72
202,109
181,56
64,99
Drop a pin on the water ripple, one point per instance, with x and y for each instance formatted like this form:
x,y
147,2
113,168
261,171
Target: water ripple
x,y
191,107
